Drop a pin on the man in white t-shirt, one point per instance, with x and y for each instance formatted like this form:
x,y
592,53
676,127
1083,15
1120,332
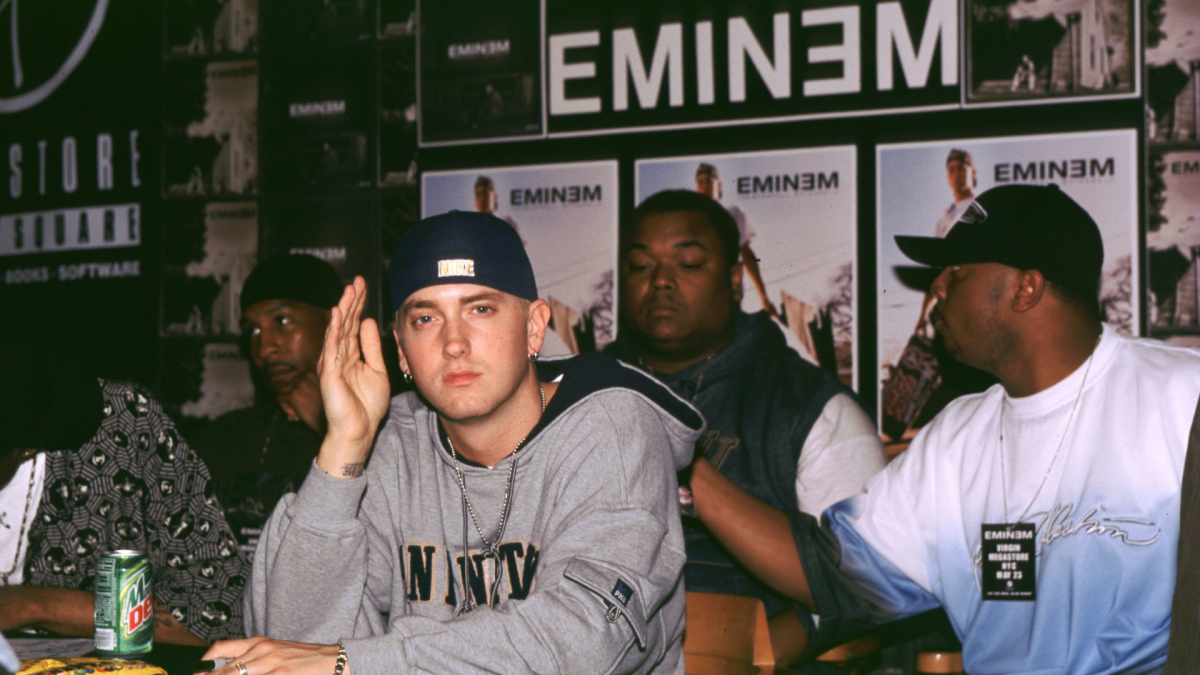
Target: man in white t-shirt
x,y
960,174
708,183
1043,513
784,437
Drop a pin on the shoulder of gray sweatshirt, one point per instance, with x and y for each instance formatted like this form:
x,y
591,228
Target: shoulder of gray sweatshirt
x,y
589,576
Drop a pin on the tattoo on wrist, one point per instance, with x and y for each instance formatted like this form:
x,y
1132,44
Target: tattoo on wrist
x,y
353,470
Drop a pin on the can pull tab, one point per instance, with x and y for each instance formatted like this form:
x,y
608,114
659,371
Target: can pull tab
x,y
614,613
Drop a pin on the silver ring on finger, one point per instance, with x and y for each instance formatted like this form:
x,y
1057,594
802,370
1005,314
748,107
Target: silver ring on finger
x,y
242,668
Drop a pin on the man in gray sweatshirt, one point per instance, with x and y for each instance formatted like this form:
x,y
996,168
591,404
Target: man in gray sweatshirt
x,y
514,516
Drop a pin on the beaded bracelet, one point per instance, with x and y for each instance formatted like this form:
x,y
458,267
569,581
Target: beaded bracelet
x,y
340,665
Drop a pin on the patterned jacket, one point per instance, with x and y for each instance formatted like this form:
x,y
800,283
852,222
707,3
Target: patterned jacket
x,y
137,485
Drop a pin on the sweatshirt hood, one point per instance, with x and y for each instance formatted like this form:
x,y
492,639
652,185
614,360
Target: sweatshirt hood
x,y
581,377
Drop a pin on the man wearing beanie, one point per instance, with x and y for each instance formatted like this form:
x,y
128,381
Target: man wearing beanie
x,y
1043,513
260,453
513,516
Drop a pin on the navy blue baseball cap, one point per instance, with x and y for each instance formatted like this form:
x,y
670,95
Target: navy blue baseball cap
x,y
461,247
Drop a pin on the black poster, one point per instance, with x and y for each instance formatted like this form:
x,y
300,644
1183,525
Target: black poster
x,y
79,120
319,121
480,70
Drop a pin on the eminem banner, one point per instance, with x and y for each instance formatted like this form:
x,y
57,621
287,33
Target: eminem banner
x,y
204,379
79,178
1051,50
208,251
796,212
922,190
480,70
319,114
1173,246
567,216
1173,72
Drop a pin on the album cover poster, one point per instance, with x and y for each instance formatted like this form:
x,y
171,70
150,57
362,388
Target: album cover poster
x,y
797,214
1173,246
480,70
397,19
202,28
1023,51
1173,72
209,249
397,114
567,216
211,141
320,118
922,186
297,26
204,380
340,230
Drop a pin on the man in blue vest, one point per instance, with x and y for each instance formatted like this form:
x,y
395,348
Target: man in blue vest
x,y
784,437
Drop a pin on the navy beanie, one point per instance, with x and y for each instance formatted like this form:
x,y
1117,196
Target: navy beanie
x,y
461,247
300,278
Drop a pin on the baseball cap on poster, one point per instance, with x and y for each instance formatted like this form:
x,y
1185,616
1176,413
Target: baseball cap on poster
x,y
461,247
1029,227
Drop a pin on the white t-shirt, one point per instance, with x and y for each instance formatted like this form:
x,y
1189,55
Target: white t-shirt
x,y
841,453
13,542
951,216
745,233
1107,519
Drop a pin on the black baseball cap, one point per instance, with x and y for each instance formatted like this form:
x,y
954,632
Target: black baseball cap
x,y
300,278
461,247
1029,227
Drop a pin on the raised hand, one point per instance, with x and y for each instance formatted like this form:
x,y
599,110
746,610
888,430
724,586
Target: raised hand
x,y
354,385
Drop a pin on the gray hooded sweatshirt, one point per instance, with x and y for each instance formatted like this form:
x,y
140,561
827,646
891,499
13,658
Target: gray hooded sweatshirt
x,y
589,576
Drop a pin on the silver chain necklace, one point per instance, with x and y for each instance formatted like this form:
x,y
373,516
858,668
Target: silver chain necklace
x,y
24,519
1061,440
490,547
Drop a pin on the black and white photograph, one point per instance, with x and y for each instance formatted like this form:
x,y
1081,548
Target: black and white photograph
x,y
1173,72
208,28
481,70
210,148
795,211
1025,51
323,121
202,380
1173,246
567,216
208,250
925,188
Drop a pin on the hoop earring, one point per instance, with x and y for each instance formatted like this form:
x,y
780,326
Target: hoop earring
x,y
407,377
533,358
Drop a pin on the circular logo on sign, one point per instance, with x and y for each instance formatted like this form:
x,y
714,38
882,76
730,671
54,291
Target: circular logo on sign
x,y
31,83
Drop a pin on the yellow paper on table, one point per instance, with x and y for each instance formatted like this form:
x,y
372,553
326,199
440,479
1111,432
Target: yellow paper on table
x,y
88,665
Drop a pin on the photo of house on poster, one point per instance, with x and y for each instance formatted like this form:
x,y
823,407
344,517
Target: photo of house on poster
x,y
921,189
567,216
797,213
1173,247
1173,73
1024,51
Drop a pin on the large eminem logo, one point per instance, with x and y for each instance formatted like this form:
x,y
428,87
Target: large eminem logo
x,y
26,92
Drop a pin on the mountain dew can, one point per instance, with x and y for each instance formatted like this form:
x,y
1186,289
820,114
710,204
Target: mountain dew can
x,y
124,611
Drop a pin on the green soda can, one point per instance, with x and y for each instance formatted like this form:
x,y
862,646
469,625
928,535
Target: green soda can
x,y
124,611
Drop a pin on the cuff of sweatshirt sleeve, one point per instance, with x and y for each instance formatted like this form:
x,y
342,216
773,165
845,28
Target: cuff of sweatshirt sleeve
x,y
329,502
378,655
